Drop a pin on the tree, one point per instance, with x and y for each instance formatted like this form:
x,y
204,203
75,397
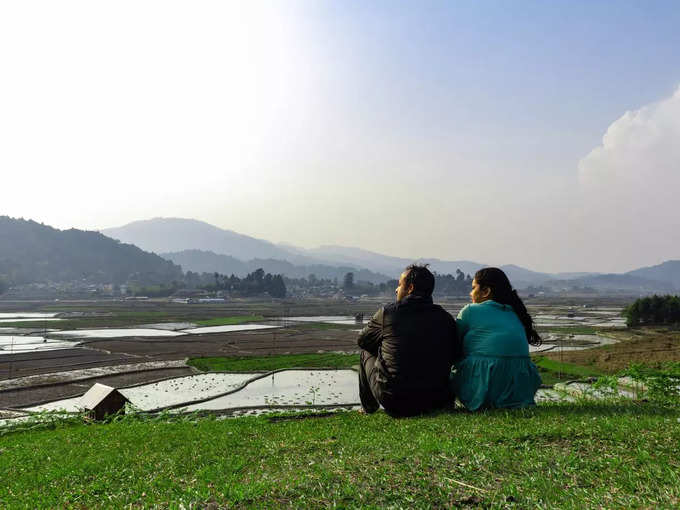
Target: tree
x,y
632,314
348,282
278,287
657,309
673,310
644,309
192,280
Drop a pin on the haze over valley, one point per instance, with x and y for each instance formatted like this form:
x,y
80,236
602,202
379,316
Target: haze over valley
x,y
198,246
162,251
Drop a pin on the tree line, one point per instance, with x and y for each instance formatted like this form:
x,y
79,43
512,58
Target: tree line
x,y
450,285
653,310
257,283
445,285
253,284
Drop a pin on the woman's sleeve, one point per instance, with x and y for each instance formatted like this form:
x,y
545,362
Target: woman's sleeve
x,y
462,325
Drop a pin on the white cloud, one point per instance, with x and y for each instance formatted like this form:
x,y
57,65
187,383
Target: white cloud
x,y
630,186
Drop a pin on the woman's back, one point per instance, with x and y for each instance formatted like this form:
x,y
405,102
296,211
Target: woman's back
x,y
495,370
491,329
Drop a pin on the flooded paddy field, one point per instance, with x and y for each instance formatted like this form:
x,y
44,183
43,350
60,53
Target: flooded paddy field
x,y
109,334
114,333
29,319
233,391
31,396
5,316
11,344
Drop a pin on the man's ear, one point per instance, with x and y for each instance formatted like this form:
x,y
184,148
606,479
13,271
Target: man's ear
x,y
486,292
411,288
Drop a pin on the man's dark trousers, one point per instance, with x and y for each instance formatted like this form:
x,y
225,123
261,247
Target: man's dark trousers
x,y
368,384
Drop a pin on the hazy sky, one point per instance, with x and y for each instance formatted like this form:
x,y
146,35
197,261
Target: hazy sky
x,y
545,134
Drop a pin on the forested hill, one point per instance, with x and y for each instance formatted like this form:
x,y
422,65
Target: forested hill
x,y
32,252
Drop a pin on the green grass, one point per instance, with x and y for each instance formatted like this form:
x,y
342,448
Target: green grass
x,y
553,371
235,364
570,330
576,456
228,321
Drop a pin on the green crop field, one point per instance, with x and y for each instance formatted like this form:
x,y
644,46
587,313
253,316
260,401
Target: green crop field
x,y
236,364
553,371
228,321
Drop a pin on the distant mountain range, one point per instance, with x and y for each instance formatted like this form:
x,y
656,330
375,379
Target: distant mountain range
x,y
31,252
197,245
167,235
201,247
201,261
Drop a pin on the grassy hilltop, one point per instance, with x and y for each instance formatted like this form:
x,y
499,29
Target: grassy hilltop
x,y
584,454
558,456
612,454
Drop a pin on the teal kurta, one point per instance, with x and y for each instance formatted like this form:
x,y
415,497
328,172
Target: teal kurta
x,y
495,370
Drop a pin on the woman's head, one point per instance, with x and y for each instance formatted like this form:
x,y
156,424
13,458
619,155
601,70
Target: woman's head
x,y
492,283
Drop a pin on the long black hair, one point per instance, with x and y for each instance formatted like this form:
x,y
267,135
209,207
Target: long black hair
x,y
502,292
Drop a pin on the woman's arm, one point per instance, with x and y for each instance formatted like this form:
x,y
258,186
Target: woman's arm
x,y
462,327
462,322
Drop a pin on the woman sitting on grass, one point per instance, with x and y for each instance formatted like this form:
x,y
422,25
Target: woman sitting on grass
x,y
495,332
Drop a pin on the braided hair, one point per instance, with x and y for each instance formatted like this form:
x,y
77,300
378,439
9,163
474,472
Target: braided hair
x,y
502,292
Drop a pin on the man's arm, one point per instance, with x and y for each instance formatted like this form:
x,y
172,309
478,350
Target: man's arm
x,y
370,337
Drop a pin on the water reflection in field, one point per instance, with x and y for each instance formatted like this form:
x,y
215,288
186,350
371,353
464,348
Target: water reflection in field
x,y
298,388
10,344
291,388
31,319
179,390
115,333
28,315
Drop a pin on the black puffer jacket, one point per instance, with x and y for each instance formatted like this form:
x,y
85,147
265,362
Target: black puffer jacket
x,y
415,343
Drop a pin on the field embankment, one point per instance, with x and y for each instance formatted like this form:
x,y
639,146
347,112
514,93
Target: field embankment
x,y
648,346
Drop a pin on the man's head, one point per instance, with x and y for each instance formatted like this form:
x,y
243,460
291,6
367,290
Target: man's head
x,y
416,280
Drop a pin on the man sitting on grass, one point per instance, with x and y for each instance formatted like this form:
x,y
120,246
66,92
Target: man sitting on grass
x,y
408,348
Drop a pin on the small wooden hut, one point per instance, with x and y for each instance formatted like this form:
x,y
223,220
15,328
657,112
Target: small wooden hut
x,y
102,400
